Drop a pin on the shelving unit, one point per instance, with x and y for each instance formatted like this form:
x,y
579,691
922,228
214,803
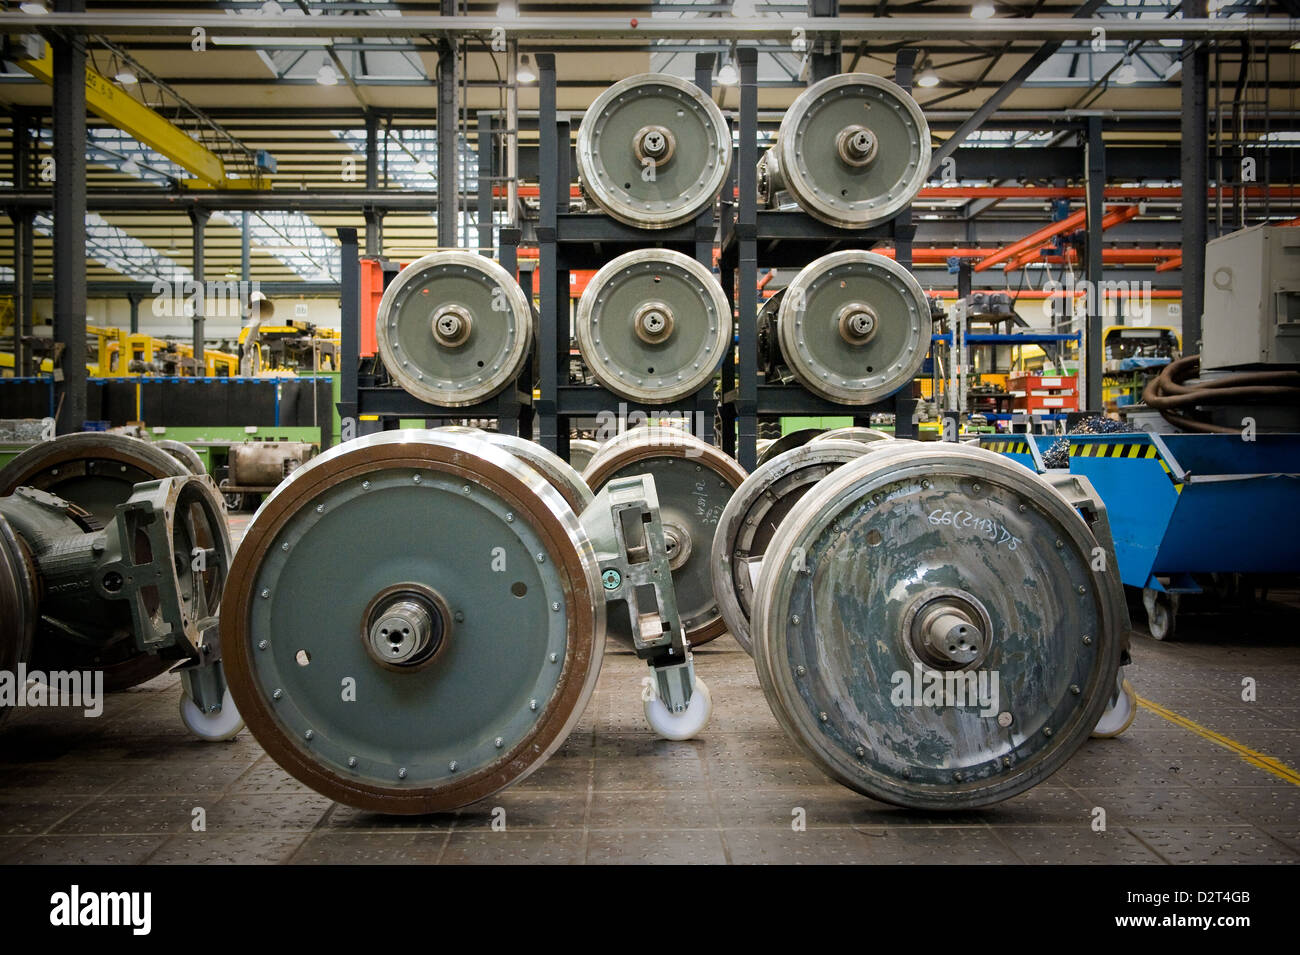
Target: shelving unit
x,y
753,239
569,240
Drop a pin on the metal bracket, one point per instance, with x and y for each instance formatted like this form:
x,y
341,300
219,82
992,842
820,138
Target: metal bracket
x,y
203,676
624,526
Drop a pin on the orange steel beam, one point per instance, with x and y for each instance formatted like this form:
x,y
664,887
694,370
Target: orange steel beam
x,y
1168,265
1044,235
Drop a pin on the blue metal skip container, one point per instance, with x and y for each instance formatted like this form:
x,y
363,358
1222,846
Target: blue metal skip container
x,y
1185,504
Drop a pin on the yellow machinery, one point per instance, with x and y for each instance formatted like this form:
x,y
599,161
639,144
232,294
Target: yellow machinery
x,y
292,346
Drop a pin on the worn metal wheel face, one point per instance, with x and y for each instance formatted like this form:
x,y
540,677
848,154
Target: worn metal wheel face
x,y
18,604
854,150
788,442
854,327
558,473
453,540
454,328
653,325
653,151
183,453
694,481
768,174
752,516
93,470
581,451
937,567
855,433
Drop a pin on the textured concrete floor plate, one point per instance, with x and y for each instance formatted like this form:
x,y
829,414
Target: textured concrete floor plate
x,y
124,788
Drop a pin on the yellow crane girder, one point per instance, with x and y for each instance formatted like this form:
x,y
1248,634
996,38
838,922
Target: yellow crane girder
x,y
128,114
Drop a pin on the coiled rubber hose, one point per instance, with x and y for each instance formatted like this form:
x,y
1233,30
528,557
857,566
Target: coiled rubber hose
x,y
1168,394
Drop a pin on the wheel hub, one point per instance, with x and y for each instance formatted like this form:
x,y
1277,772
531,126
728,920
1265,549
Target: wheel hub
x,y
654,145
677,544
856,145
857,323
948,630
654,323
406,626
451,325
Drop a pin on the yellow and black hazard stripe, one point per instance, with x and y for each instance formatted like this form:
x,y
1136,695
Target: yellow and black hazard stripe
x,y
1006,447
1120,450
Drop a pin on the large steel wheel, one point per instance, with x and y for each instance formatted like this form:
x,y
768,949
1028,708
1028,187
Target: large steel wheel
x,y
937,568
441,583
854,327
653,326
853,150
454,328
653,151
694,481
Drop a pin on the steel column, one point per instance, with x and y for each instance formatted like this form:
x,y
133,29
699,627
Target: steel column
x,y
133,299
826,53
747,265
1195,143
70,223
548,159
448,181
349,332
1094,184
198,221
374,217
485,181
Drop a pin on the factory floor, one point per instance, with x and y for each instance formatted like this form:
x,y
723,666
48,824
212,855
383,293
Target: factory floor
x,y
1184,785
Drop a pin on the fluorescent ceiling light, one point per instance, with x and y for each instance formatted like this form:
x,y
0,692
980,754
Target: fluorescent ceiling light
x,y
927,79
33,8
257,41
126,77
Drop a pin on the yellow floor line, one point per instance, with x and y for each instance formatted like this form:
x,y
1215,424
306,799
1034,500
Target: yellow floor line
x,y
1267,763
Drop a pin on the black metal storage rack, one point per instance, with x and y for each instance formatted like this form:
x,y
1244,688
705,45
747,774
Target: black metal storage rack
x,y
754,238
362,395
568,241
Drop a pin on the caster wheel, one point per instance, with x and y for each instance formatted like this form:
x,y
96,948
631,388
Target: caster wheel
x,y
213,727
684,725
1161,610
1119,715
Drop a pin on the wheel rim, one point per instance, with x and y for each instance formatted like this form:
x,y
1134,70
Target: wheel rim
x,y
470,360
829,645
653,325
694,481
482,714
851,193
186,455
813,339
558,473
752,517
96,472
687,181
